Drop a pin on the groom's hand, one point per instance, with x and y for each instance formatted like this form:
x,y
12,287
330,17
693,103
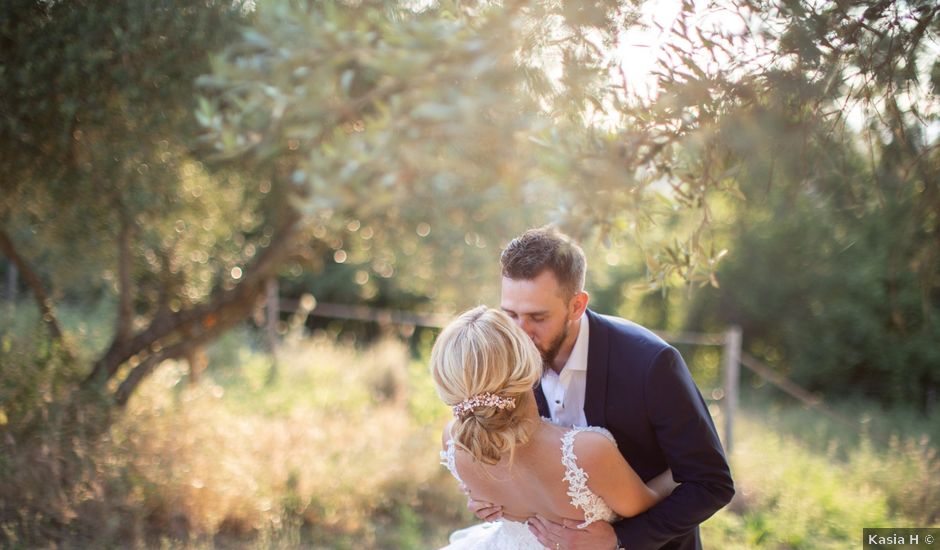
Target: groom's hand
x,y
487,511
596,536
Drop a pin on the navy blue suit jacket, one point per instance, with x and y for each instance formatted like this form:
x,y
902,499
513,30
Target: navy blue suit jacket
x,y
640,389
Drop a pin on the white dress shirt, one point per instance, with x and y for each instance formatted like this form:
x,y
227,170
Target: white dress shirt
x,y
565,392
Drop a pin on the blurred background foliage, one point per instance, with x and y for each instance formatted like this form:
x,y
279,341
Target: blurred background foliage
x,y
164,162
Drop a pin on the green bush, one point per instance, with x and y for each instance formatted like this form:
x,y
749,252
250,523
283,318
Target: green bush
x,y
806,481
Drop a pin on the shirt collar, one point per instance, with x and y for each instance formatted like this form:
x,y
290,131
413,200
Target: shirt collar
x,y
579,353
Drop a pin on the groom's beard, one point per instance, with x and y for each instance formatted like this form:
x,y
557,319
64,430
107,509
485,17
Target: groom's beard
x,y
551,352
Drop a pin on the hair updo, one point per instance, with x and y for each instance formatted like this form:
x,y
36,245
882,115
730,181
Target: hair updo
x,y
483,351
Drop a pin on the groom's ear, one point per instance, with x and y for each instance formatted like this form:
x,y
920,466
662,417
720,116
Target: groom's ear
x,y
578,304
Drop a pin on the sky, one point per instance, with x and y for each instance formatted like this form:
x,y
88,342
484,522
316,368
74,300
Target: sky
x,y
642,45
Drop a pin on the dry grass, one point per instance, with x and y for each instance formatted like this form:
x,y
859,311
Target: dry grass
x,y
334,451
338,451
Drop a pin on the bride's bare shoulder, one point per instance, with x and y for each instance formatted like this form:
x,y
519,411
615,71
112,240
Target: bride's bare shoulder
x,y
593,449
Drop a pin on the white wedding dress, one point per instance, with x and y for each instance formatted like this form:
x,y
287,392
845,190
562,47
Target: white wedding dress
x,y
513,535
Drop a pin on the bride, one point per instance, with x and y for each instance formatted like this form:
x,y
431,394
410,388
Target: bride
x,y
500,450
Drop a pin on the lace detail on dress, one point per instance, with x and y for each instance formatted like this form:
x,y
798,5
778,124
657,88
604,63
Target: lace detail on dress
x,y
593,506
449,459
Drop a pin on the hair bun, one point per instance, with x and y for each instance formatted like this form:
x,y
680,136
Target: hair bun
x,y
485,366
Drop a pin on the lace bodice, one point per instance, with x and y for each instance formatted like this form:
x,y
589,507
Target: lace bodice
x,y
582,498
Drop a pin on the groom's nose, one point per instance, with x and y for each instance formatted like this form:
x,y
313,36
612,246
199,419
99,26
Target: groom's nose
x,y
526,327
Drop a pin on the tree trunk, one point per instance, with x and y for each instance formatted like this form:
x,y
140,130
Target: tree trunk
x,y
125,314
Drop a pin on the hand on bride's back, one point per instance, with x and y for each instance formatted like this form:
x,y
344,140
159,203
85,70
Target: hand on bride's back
x,y
487,511
599,535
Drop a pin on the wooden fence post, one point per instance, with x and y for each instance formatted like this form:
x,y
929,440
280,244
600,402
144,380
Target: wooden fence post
x,y
732,368
273,314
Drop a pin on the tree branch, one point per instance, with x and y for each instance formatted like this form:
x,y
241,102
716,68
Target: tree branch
x,y
235,302
139,373
35,284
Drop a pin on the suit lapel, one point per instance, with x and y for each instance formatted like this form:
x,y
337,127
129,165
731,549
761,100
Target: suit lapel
x,y
540,399
595,392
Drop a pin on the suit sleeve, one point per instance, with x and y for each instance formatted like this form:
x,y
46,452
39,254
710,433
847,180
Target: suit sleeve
x,y
687,436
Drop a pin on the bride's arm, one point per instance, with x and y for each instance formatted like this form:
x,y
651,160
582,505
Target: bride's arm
x,y
614,480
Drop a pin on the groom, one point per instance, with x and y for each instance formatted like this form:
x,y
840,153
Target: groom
x,y
606,371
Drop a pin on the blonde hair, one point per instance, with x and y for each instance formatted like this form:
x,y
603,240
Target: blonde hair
x,y
483,351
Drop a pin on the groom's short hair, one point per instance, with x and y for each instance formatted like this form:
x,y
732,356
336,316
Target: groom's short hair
x,y
545,248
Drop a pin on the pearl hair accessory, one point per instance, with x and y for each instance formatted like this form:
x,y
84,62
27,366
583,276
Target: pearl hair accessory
x,y
483,400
